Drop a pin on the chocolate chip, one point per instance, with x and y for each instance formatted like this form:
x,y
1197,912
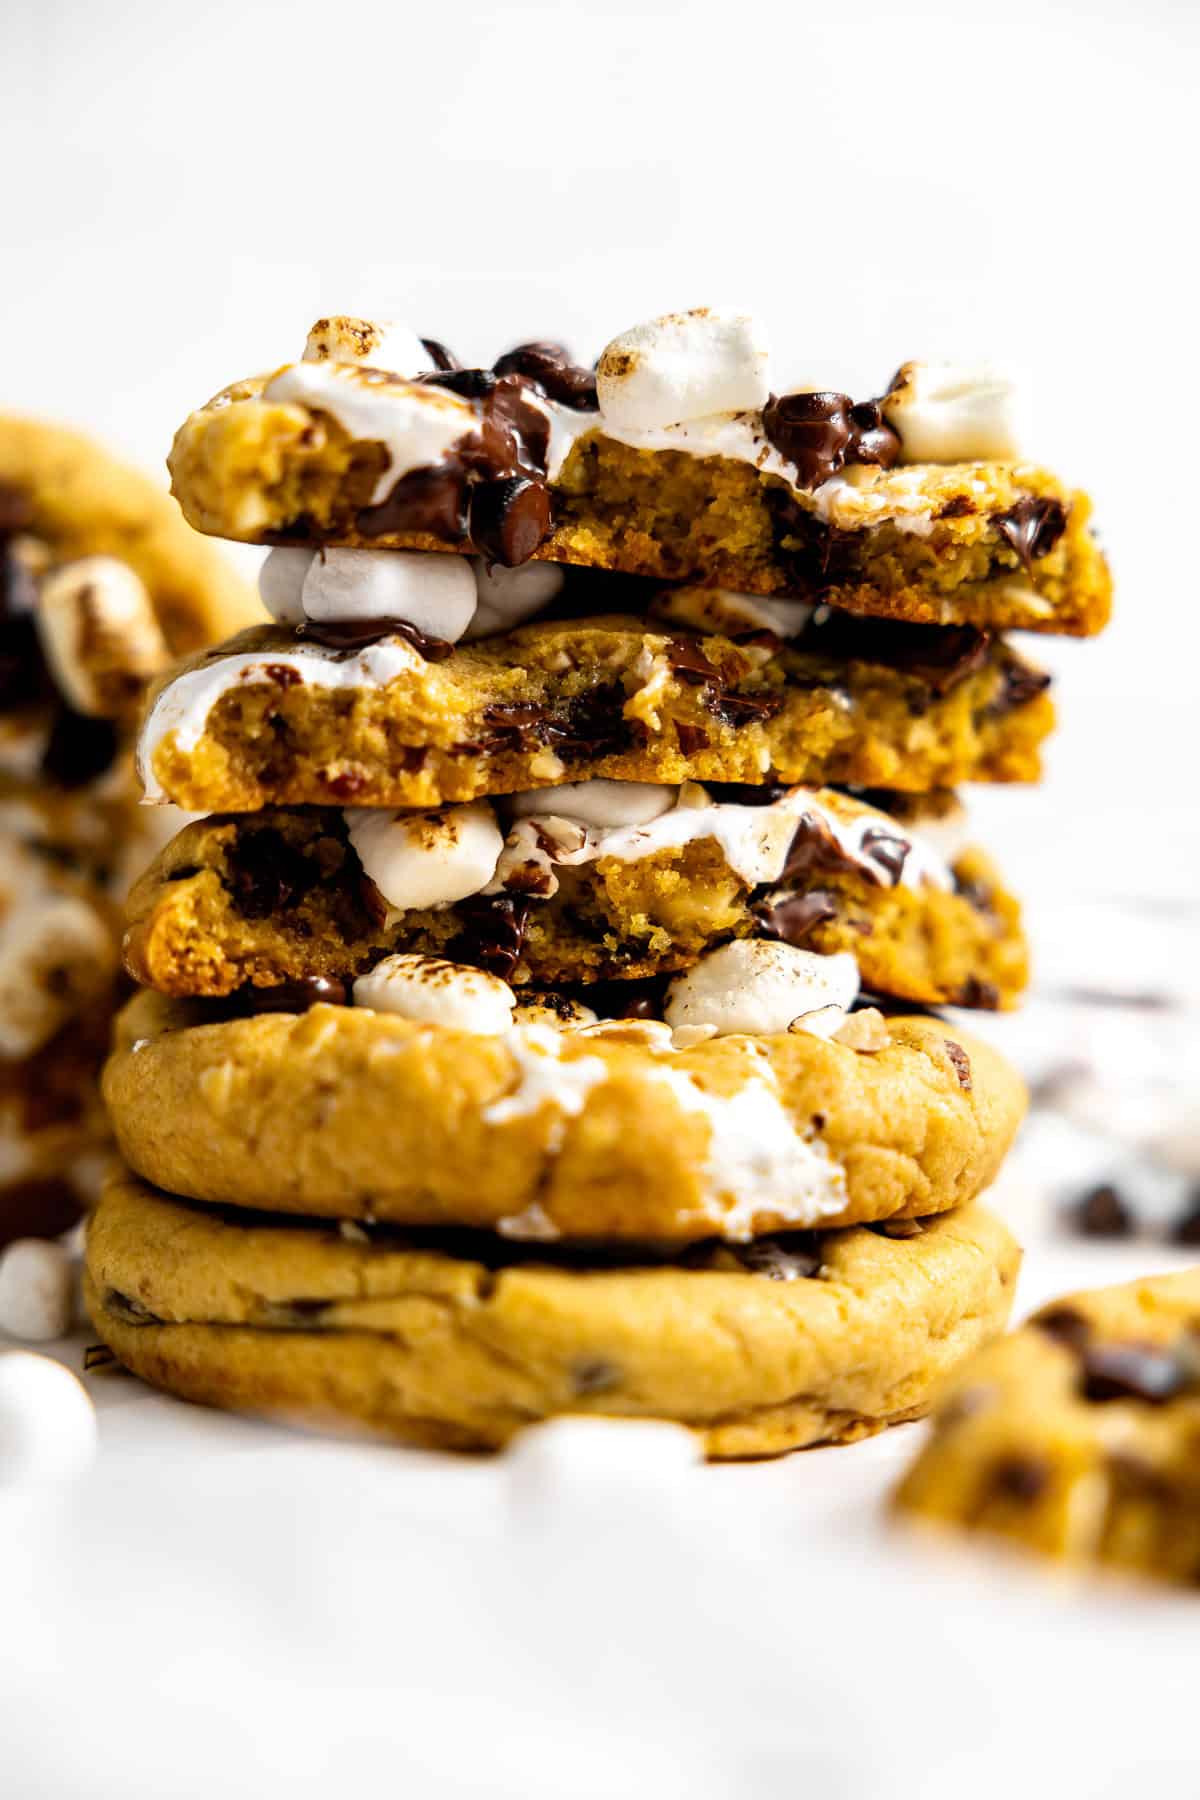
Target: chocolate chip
x,y
960,1061
508,518
1032,527
79,749
1065,1325
981,996
691,738
1023,1479
290,996
872,439
440,356
1019,684
688,661
1102,1213
493,933
1132,1372
550,367
814,850
356,634
794,919
888,849
265,874
812,431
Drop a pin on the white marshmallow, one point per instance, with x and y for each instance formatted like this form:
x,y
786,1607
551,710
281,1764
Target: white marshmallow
x,y
99,633
281,582
439,993
948,412
434,593
722,611
759,987
507,596
47,1422
381,343
683,366
597,805
56,956
37,1288
424,859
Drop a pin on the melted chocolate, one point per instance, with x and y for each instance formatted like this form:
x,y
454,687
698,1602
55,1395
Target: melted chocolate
x,y
940,657
443,358
356,634
289,997
1019,684
1032,528
550,368
265,874
493,934
794,919
821,433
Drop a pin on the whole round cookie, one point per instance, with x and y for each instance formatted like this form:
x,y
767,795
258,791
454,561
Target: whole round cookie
x,y
1076,1436
601,1132
458,1340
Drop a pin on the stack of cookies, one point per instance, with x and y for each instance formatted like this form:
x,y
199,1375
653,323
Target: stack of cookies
x,y
101,584
533,1023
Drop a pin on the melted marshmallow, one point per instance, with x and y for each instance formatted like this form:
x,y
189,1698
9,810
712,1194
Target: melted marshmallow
x,y
544,1079
182,709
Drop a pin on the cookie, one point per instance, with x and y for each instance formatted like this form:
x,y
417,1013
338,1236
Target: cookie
x,y
607,881
458,1341
272,719
603,1132
1077,1436
918,505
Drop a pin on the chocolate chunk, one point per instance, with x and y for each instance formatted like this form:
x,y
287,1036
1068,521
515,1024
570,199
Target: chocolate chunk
x,y
961,1062
265,874
872,439
981,996
794,919
1186,1229
691,738
1065,1325
443,358
356,634
508,518
468,384
1032,527
745,793
821,433
689,662
742,709
493,934
1023,1479
549,367
888,849
814,850
1101,1213
1019,684
940,657
1132,1372
593,723
290,996
79,749
787,1256
976,893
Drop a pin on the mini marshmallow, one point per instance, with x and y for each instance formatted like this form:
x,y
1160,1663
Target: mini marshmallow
x,y
558,1011
100,635
424,859
597,805
47,1422
381,343
756,986
683,366
438,993
281,582
56,957
508,596
37,1289
436,594
720,610
947,412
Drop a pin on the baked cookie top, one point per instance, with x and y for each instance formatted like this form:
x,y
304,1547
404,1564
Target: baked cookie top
x,y
595,882
674,459
606,1130
1077,1436
285,717
460,1339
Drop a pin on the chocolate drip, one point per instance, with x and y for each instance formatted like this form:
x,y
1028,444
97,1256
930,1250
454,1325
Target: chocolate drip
x,y
821,433
1032,527
357,634
493,934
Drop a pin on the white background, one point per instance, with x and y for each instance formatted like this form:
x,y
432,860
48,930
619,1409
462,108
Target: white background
x,y
185,188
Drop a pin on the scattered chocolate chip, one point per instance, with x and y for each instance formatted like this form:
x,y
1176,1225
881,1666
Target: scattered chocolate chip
x,y
1132,1372
290,996
742,709
79,749
1102,1213
493,934
794,919
441,357
265,874
1032,527
1023,1479
346,783
508,518
357,634
961,1062
1065,1325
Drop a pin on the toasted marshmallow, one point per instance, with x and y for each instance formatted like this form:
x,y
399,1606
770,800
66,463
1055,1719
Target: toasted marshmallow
x,y
426,859
438,993
434,593
281,582
947,412
381,343
558,1011
597,805
507,596
683,366
729,614
99,633
756,986
57,957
